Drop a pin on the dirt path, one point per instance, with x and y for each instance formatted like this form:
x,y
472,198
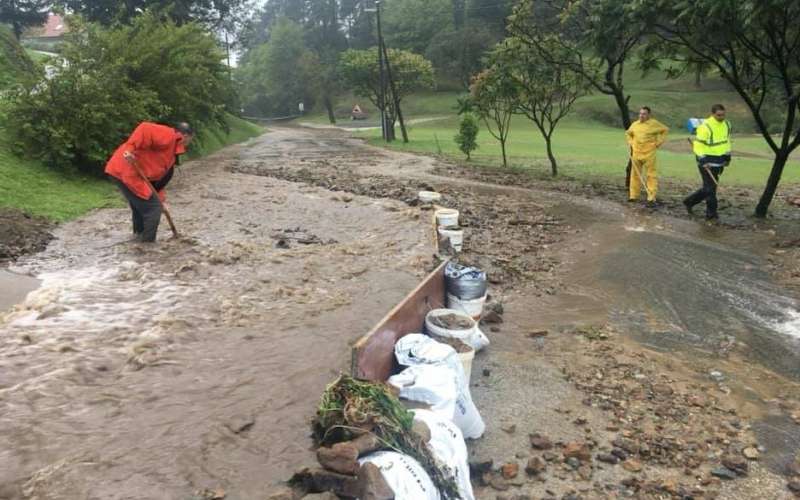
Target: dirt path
x,y
155,372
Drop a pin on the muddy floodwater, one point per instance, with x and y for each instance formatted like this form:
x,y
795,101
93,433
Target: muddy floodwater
x,y
133,371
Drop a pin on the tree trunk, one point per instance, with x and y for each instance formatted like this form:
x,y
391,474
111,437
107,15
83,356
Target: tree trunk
x,y
553,166
625,114
698,74
772,183
503,149
329,107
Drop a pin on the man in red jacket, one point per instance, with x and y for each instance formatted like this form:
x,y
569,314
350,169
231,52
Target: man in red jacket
x,y
155,148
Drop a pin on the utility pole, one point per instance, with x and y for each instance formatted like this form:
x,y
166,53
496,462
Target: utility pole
x,y
382,91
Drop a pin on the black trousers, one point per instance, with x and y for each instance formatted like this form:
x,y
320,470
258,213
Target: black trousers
x,y
145,214
708,192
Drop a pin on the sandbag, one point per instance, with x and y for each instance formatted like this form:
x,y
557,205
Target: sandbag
x,y
404,475
448,447
466,283
443,388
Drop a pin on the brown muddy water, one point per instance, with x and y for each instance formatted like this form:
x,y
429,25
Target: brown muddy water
x,y
155,371
139,371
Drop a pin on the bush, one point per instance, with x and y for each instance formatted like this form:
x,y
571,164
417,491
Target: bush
x,y
106,81
467,135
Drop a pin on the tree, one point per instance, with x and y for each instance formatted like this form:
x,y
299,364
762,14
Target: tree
x,y
359,70
754,45
412,24
495,99
108,80
467,134
21,14
591,38
279,74
545,91
458,54
109,12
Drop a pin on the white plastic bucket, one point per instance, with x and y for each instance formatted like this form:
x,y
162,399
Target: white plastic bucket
x,y
429,196
474,308
454,236
446,217
462,335
466,361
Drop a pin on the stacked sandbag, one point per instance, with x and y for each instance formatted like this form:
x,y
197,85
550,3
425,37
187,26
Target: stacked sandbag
x,y
434,376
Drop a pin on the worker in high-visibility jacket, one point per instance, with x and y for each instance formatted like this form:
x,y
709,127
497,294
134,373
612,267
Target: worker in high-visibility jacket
x,y
644,137
712,147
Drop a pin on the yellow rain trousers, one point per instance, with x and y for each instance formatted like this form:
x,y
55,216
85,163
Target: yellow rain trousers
x,y
644,139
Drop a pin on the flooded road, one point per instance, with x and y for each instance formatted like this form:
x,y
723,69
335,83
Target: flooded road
x,y
138,371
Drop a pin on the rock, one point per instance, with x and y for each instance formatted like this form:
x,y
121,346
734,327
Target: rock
x,y
716,375
537,334
211,494
320,480
793,467
549,456
794,486
367,443
628,445
540,442
284,493
372,485
574,463
724,473
509,429
577,450
498,483
608,458
620,454
535,466
632,465
736,463
487,372
479,468
585,472
509,470
341,458
491,317
321,496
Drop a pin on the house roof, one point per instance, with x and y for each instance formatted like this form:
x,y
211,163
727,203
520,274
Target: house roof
x,y
54,27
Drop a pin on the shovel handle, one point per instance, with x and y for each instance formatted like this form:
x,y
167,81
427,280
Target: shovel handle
x,y
135,164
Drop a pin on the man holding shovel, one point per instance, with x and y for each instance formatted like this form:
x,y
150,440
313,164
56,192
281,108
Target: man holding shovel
x,y
644,137
142,167
712,147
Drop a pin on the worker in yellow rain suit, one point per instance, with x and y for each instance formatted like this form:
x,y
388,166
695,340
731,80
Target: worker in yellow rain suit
x,y
644,137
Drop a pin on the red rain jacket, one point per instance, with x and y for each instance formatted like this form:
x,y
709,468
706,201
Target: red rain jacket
x,y
155,147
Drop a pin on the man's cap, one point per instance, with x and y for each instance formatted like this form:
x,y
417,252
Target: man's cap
x,y
184,128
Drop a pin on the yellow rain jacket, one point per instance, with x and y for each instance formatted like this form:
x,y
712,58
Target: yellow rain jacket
x,y
645,138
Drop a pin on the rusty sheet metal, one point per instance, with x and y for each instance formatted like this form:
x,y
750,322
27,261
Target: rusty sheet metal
x,y
373,354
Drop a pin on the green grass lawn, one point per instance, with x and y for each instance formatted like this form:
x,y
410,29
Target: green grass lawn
x,y
31,186
588,143
587,150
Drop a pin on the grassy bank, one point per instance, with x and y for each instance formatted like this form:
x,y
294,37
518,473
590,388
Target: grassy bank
x,y
32,187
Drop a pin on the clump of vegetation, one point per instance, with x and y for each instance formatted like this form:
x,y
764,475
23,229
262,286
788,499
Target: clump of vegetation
x,y
107,80
467,137
350,408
